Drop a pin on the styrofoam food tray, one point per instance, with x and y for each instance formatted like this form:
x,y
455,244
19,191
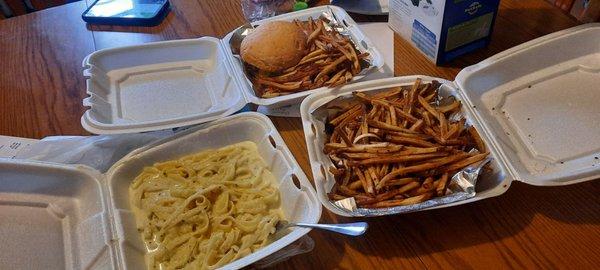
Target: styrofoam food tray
x,y
53,217
534,105
65,216
356,34
177,83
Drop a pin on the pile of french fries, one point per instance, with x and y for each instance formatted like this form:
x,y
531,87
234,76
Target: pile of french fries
x,y
331,60
397,147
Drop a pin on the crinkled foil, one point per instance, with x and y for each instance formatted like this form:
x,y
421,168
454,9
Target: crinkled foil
x,y
460,187
332,22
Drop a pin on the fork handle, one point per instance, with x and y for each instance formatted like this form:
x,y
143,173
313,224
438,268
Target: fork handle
x,y
354,229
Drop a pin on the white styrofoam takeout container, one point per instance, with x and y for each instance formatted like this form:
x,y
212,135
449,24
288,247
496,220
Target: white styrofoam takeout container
x,y
57,216
178,83
535,106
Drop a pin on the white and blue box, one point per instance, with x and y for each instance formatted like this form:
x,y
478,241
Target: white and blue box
x,y
444,29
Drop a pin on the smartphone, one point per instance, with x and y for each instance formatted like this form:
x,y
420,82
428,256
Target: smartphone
x,y
127,12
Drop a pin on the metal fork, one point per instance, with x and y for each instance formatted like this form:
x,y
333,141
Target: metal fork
x,y
353,229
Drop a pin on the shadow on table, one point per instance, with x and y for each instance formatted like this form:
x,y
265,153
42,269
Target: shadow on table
x,y
410,236
493,219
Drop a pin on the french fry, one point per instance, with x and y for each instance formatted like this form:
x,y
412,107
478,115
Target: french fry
x,y
401,181
313,59
369,181
430,97
428,107
291,86
321,45
312,54
336,77
335,137
400,202
345,138
315,33
411,97
355,185
396,159
427,119
368,186
374,176
346,177
417,125
331,67
336,197
271,94
475,135
348,76
360,155
390,194
346,191
408,135
409,141
339,81
393,119
425,187
355,64
384,169
336,171
384,147
331,60
450,108
419,168
342,116
428,183
465,162
453,131
441,187
396,147
406,116
383,125
350,118
343,50
417,199
443,126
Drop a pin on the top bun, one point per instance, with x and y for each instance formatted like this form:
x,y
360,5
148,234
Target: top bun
x,y
274,46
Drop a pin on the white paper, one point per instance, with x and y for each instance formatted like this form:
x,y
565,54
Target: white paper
x,y
12,146
99,152
284,111
382,37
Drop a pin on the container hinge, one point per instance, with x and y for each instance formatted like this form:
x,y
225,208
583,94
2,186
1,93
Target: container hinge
x,y
236,77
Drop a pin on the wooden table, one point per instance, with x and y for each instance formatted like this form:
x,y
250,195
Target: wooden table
x,y
41,88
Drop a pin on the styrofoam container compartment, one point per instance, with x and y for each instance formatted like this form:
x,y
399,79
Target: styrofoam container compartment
x,y
73,217
535,106
178,83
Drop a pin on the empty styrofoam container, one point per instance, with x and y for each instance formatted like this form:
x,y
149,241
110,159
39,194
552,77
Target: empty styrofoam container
x,y
535,106
53,217
72,217
178,83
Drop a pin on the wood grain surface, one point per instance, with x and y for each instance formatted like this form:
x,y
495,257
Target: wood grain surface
x,y
529,227
41,84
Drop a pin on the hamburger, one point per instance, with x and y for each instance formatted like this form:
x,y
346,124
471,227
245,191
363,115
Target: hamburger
x,y
274,46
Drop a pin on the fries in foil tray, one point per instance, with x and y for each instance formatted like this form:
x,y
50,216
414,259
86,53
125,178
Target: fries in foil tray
x,y
331,58
400,150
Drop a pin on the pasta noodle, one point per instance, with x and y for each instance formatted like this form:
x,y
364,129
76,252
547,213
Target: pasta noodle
x,y
205,210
